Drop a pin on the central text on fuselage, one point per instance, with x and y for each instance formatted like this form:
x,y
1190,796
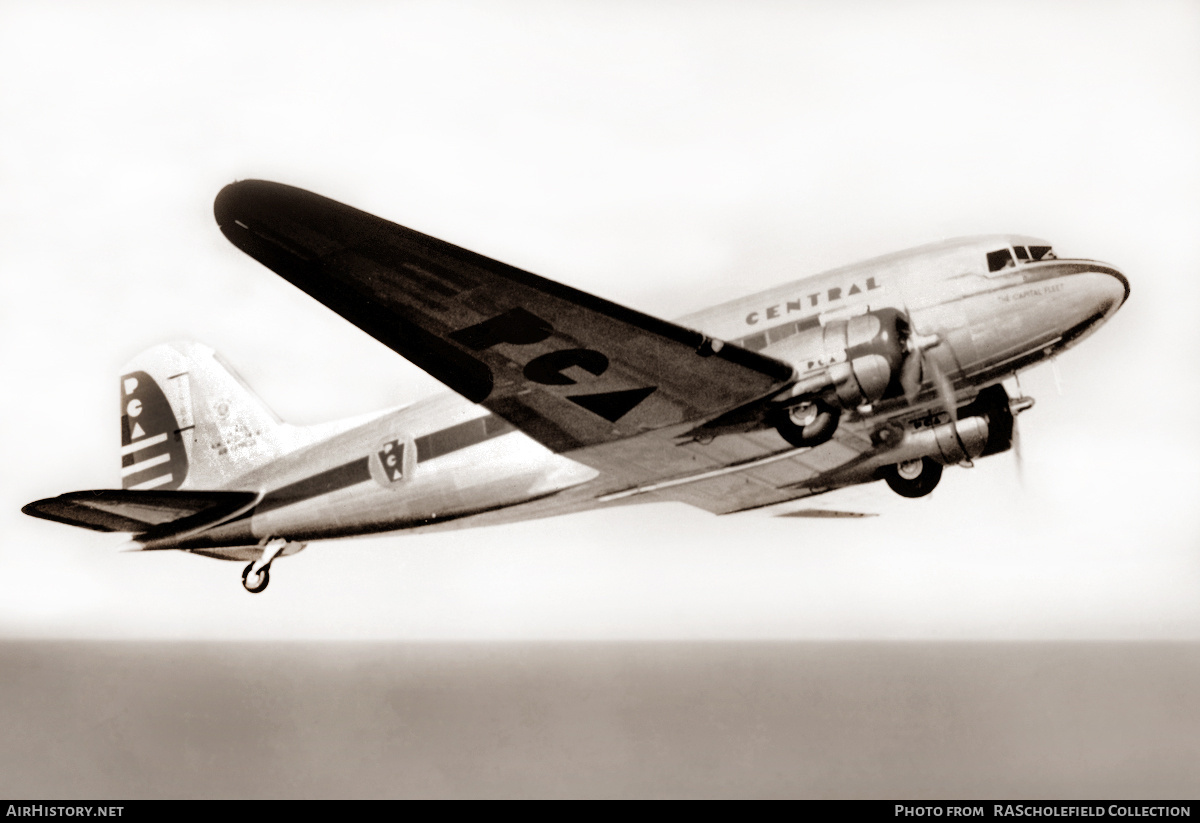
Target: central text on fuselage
x,y
809,301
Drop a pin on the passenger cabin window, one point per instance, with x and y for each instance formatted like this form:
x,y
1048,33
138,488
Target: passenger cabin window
x,y
755,342
999,260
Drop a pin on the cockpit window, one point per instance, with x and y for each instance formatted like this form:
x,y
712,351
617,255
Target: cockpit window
x,y
1002,259
999,260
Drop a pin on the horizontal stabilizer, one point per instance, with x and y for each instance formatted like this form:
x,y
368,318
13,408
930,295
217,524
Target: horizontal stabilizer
x,y
151,513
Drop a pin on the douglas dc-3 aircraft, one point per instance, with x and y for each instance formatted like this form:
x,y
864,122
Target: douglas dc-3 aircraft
x,y
888,369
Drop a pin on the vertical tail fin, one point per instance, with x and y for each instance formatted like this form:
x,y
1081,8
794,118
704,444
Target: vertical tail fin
x,y
188,421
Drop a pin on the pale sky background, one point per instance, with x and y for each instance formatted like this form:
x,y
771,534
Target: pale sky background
x,y
663,155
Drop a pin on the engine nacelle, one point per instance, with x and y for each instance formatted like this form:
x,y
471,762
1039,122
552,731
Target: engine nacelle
x,y
950,443
984,427
852,362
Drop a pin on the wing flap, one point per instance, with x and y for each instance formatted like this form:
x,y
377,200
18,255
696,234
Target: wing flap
x,y
568,368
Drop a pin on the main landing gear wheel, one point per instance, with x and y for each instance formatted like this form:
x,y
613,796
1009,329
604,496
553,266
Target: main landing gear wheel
x,y
807,424
255,583
913,478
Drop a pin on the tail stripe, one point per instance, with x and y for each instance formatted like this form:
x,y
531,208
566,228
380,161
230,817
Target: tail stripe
x,y
145,464
141,444
155,483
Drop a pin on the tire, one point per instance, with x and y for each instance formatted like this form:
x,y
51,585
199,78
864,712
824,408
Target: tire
x,y
906,483
807,426
264,579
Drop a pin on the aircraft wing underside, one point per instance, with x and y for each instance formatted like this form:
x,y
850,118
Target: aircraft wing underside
x,y
570,370
733,472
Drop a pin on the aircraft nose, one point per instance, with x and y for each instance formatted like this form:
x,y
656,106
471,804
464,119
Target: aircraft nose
x,y
1110,291
1087,295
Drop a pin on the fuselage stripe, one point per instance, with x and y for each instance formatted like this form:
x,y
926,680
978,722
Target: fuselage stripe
x,y
330,480
429,446
436,444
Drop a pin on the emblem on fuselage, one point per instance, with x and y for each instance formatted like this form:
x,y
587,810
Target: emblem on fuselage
x,y
391,458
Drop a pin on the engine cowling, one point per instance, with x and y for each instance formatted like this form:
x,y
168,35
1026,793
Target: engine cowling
x,y
848,362
843,364
984,427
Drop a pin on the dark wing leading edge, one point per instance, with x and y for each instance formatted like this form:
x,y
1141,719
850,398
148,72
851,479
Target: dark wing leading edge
x,y
569,369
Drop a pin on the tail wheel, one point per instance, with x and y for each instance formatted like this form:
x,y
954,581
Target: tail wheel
x,y
807,424
255,583
913,478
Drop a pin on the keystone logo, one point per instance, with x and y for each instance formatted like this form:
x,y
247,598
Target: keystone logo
x,y
391,457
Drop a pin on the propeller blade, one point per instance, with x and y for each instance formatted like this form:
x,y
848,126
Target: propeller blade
x,y
911,373
1017,405
1016,450
945,391
1057,375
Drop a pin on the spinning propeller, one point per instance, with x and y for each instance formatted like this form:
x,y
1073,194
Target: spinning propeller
x,y
919,368
1015,407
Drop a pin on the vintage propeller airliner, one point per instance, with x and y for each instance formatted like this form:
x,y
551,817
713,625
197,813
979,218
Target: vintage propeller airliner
x,y
884,370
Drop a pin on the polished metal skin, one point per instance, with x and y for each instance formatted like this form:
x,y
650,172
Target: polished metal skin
x,y
887,369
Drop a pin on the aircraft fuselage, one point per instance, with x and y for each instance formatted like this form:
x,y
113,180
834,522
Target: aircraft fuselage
x,y
985,307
